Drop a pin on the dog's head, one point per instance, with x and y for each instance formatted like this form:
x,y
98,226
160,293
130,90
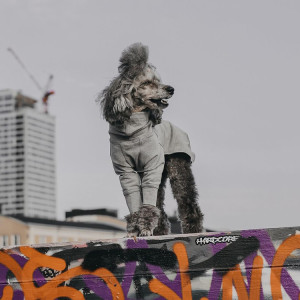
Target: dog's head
x,y
137,87
149,91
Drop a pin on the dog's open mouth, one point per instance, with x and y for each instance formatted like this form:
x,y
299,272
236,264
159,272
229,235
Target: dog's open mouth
x,y
164,102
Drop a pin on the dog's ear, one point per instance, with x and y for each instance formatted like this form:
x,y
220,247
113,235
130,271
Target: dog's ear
x,y
122,103
116,102
133,60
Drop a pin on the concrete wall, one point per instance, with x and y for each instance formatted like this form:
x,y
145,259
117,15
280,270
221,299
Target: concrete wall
x,y
251,264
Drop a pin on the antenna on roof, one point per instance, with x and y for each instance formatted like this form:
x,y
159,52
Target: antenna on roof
x,y
45,91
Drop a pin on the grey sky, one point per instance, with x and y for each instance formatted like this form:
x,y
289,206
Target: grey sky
x,y
235,68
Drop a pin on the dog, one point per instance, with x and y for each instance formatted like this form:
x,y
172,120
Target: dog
x,y
133,105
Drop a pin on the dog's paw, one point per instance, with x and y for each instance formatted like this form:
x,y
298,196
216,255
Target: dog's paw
x,y
133,234
146,232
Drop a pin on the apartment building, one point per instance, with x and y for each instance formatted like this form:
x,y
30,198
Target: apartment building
x,y
27,158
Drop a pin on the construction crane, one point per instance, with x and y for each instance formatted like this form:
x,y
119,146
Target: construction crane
x,y
46,93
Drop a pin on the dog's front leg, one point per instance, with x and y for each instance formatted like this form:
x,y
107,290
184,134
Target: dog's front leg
x,y
132,230
148,216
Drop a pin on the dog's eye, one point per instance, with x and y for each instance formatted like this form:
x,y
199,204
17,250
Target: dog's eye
x,y
146,82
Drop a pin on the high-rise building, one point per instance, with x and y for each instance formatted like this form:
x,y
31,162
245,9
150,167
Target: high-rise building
x,y
27,158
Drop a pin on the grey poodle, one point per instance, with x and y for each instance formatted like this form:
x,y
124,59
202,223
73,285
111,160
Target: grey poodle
x,y
146,150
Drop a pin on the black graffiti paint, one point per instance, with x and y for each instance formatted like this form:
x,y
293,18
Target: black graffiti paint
x,y
173,240
74,253
229,257
49,273
110,258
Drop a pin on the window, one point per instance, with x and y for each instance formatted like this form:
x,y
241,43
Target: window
x,y
15,240
4,240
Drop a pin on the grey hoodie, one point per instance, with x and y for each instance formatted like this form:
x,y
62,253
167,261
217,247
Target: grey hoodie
x,y
138,159
136,144
137,149
137,125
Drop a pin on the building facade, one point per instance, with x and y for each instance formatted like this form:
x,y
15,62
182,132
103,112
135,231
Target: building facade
x,y
27,158
20,230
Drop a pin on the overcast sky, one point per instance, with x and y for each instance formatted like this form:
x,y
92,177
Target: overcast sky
x,y
235,69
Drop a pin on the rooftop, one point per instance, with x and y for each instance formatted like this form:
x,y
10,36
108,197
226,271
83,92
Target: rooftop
x,y
66,223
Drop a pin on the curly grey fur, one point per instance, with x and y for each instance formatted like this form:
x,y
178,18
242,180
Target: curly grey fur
x,y
185,192
147,220
116,100
133,60
132,229
164,226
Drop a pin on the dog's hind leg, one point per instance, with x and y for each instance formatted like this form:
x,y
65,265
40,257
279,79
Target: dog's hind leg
x,y
185,192
163,227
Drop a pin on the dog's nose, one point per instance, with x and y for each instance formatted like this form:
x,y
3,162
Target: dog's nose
x,y
169,89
